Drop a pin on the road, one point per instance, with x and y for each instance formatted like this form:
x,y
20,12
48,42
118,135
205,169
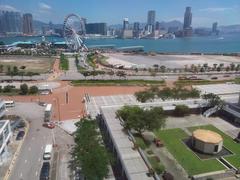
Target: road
x,y
79,76
30,159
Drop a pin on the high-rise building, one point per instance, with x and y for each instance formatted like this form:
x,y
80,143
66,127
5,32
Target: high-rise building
x,y
125,24
136,30
157,26
10,22
96,28
214,27
151,17
187,18
187,29
27,24
151,21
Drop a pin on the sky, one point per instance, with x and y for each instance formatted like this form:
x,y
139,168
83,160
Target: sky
x,y
205,12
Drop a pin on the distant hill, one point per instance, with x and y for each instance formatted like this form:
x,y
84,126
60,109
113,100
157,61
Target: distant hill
x,y
230,28
173,23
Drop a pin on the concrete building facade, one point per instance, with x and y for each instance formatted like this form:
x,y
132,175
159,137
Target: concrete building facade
x,y
27,24
5,136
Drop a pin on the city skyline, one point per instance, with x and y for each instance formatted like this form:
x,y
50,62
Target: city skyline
x,y
204,13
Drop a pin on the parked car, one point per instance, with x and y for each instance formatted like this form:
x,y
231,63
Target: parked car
x,y
44,174
49,125
20,135
21,124
214,77
167,176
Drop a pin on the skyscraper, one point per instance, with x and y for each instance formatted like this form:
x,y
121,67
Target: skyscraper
x,y
136,30
10,22
214,27
187,29
187,18
151,17
125,24
126,32
151,21
27,24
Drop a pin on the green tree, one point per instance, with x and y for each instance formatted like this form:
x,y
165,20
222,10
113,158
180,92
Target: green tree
x,y
213,99
7,89
15,70
33,90
144,96
163,69
8,70
23,89
2,43
165,93
88,153
181,110
138,119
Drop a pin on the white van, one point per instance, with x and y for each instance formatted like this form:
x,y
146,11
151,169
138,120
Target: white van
x,y
9,104
47,152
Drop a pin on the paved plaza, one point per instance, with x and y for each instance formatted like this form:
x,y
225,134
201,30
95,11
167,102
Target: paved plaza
x,y
170,61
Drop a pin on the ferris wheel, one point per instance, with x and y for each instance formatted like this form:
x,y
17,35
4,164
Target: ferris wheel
x,y
73,32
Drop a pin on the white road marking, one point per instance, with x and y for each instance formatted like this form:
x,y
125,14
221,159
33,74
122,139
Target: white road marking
x,y
25,161
42,147
39,159
33,138
21,175
29,148
36,173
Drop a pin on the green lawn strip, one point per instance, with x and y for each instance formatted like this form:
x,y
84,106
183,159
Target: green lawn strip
x,y
91,60
116,82
156,164
140,142
190,162
64,63
200,82
228,142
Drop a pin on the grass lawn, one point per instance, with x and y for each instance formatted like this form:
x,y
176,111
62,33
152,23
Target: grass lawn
x,y
200,82
172,139
228,142
117,82
64,63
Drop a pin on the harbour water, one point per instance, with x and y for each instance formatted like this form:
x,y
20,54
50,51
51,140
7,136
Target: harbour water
x,y
210,44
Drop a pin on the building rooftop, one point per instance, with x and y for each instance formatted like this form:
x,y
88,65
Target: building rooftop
x,y
131,159
219,89
207,136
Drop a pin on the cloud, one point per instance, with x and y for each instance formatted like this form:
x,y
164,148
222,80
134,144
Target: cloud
x,y
7,8
216,9
44,7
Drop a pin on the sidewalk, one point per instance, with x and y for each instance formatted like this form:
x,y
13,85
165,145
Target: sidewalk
x,y
171,165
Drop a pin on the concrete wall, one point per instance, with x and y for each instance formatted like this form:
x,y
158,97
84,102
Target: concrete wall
x,y
207,147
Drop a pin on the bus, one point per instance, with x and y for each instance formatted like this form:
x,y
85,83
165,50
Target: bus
x,y
48,113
